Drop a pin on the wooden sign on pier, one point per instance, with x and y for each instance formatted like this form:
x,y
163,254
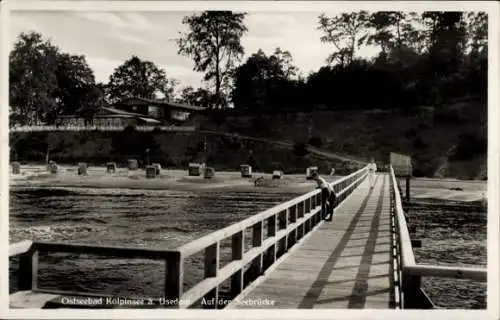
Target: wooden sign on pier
x,y
402,169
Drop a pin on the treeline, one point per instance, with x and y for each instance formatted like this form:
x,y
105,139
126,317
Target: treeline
x,y
46,82
424,59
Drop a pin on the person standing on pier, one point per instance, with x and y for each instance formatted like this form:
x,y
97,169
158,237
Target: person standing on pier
x,y
372,168
328,196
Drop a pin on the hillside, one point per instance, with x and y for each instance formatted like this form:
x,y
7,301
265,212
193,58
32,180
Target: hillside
x,y
449,141
170,149
444,141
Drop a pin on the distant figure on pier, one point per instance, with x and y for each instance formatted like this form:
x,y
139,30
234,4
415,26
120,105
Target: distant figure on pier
x,y
328,196
372,168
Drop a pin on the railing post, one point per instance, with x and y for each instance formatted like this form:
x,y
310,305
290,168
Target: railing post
x,y
300,215
238,249
211,268
292,211
283,219
270,256
257,238
28,270
308,224
411,291
175,277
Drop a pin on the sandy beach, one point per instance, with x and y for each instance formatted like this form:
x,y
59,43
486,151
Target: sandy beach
x,y
97,177
178,180
448,189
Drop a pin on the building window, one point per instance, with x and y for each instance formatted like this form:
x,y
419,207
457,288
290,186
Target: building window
x,y
179,115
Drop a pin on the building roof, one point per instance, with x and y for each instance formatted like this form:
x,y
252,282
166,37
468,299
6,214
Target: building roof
x,y
164,103
149,120
114,111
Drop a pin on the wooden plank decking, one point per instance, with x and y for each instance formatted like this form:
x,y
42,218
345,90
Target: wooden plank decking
x,y
345,263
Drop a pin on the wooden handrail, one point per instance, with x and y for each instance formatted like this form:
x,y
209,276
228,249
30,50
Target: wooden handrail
x,y
478,274
122,252
407,256
286,223
28,252
199,244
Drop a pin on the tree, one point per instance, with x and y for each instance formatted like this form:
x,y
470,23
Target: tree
x,y
33,80
477,32
139,78
46,82
74,77
199,97
395,32
213,42
347,32
400,41
92,99
446,34
263,82
284,60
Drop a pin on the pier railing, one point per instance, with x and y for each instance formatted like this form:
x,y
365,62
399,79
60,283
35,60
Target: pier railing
x,y
28,252
408,273
273,231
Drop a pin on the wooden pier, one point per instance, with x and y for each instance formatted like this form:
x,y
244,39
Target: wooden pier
x,y
362,258
345,263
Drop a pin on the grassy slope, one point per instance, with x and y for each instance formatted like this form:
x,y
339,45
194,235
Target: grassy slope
x,y
429,135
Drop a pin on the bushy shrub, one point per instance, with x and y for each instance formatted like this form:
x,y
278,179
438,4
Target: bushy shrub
x,y
129,129
300,149
316,142
469,146
418,143
411,133
449,116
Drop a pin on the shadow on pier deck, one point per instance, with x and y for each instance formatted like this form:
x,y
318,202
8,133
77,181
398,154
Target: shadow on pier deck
x,y
345,263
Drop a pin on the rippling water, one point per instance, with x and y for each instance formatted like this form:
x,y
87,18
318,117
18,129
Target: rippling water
x,y
168,219
451,237
153,219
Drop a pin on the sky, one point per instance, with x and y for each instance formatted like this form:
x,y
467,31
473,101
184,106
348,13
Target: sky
x,y
107,39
